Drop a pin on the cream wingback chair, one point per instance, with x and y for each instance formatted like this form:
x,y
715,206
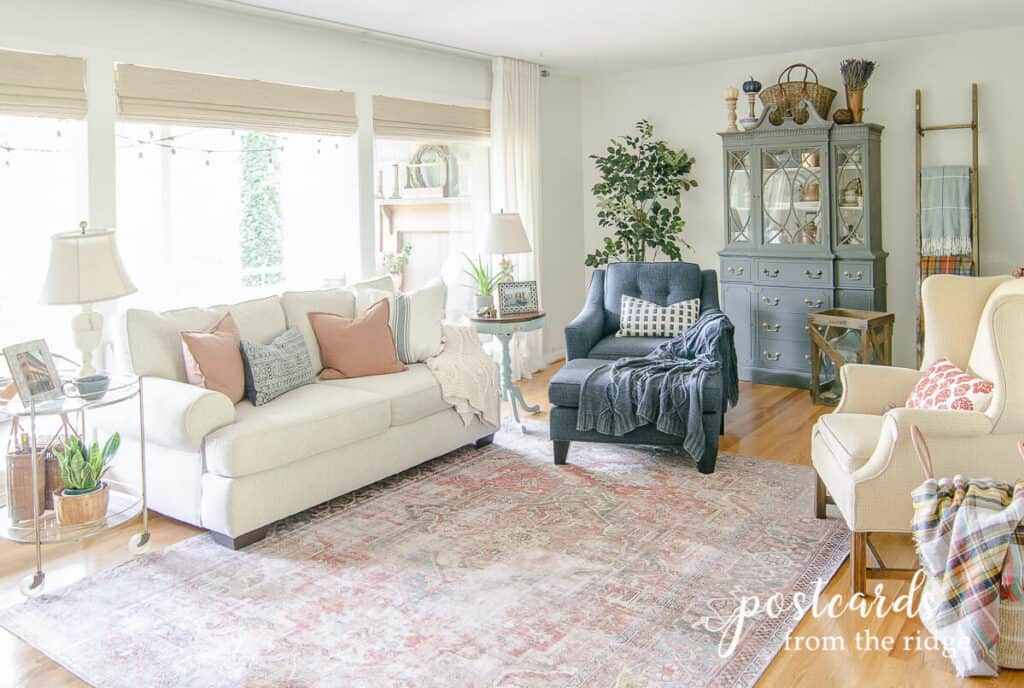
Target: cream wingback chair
x,y
863,453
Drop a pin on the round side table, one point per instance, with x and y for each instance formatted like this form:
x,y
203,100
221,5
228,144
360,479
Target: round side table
x,y
504,328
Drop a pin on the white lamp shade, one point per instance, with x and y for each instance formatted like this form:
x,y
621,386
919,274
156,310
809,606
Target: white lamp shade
x,y
85,267
505,234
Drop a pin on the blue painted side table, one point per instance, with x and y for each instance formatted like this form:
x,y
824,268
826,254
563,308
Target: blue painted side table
x,y
504,328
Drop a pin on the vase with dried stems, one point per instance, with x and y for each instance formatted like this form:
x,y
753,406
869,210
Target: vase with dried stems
x,y
855,76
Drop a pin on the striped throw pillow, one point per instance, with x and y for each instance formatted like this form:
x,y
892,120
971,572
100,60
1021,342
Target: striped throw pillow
x,y
416,318
641,318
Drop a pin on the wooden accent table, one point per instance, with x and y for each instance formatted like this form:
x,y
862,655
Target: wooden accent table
x,y
504,328
875,337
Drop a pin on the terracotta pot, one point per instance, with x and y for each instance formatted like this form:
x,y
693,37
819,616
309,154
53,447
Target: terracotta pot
x,y
73,510
855,103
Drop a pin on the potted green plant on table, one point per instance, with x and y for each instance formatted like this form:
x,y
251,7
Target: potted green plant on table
x,y
85,496
395,262
484,281
640,196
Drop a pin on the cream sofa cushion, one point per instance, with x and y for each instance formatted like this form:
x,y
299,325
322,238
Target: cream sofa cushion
x,y
413,394
851,437
299,424
298,304
154,338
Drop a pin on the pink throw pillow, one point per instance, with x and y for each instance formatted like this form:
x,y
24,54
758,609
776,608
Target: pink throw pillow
x,y
213,359
356,347
946,387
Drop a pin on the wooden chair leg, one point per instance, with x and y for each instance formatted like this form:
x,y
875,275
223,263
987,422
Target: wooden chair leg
x,y
858,562
820,497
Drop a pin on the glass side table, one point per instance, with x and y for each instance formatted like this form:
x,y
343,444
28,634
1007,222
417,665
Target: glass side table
x,y
42,527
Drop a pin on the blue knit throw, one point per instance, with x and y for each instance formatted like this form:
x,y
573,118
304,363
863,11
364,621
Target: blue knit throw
x,y
664,388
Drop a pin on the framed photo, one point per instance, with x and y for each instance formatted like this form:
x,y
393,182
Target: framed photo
x,y
33,370
517,297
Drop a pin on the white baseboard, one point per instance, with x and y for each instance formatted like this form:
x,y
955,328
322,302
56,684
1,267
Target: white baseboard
x,y
552,356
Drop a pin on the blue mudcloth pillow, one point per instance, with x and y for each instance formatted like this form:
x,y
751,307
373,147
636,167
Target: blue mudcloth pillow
x,y
275,368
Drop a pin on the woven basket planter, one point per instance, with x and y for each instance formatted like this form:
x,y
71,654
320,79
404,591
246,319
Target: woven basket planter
x,y
788,94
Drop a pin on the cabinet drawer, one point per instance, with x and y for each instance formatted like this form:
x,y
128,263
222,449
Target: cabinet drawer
x,y
736,270
795,273
793,300
784,354
858,299
851,274
775,324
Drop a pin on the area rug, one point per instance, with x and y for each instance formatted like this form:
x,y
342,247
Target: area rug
x,y
488,567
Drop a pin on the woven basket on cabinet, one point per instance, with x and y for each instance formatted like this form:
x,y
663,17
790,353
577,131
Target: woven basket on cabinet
x,y
788,94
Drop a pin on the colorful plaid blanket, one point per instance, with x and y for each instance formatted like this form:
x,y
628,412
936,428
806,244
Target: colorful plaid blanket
x,y
963,530
946,265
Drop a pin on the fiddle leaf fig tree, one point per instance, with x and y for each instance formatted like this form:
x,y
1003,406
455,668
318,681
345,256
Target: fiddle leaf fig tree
x,y
640,195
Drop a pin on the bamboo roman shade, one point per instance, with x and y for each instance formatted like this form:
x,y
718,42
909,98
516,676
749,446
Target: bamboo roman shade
x,y
397,118
146,94
42,85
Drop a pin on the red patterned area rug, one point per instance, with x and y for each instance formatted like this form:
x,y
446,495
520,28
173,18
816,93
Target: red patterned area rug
x,y
485,567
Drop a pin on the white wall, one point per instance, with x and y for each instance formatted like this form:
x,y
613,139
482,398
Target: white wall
x,y
687,109
561,256
202,39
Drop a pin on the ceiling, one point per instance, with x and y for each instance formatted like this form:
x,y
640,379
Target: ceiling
x,y
587,36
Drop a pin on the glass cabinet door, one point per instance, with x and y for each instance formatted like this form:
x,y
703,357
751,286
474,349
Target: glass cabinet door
x,y
740,197
849,195
791,195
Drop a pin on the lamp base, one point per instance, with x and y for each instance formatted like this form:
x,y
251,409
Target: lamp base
x,y
507,267
87,328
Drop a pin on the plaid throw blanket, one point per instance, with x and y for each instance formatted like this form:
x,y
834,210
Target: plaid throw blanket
x,y
963,530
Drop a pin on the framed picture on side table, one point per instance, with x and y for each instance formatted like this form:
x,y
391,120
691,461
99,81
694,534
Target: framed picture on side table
x,y
33,370
517,297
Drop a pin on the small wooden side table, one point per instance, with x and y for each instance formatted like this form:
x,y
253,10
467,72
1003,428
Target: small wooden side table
x,y
504,328
875,337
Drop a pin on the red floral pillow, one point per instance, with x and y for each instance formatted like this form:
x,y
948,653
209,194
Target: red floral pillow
x,y
946,387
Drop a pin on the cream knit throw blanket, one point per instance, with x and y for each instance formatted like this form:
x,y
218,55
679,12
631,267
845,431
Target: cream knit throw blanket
x,y
468,376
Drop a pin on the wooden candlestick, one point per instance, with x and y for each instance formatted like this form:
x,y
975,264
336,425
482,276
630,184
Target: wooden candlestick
x,y
731,95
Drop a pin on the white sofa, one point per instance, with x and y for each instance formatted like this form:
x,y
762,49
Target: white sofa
x,y
235,469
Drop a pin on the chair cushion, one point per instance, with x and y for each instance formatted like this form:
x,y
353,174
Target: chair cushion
x,y
612,348
851,437
660,283
412,394
564,388
298,424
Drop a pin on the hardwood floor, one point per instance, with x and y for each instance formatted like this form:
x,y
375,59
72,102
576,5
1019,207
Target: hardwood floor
x,y
770,422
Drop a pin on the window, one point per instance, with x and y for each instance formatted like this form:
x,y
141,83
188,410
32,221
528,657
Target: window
x,y
42,192
215,215
432,197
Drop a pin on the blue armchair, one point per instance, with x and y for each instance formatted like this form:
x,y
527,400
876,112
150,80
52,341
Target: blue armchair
x,y
590,342
592,333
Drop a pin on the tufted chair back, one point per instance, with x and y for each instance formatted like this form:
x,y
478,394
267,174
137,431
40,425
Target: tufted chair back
x,y
662,283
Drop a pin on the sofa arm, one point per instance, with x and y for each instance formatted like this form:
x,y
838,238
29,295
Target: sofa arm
x,y
178,415
871,388
588,328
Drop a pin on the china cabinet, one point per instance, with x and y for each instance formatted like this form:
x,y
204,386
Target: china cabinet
x,y
803,233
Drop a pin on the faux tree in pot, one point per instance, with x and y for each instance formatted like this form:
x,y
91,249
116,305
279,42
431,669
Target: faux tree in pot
x,y
640,196
85,496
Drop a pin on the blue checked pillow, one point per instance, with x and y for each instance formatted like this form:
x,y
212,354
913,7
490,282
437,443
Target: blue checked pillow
x,y
641,318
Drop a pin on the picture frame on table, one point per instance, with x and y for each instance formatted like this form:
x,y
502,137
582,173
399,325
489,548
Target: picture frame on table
x,y
517,297
34,372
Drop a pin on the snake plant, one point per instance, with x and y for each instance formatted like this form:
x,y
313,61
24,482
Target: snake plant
x,y
83,467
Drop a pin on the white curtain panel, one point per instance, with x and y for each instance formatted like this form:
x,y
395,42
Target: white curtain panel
x,y
515,179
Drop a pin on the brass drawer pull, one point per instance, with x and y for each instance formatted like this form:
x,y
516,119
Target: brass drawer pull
x,y
770,273
850,276
807,357
773,301
777,327
813,275
771,356
815,304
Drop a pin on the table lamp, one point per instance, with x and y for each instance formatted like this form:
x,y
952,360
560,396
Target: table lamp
x,y
505,234
85,268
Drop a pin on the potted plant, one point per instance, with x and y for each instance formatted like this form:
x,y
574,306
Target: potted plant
x,y
395,261
855,78
640,194
85,496
484,281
